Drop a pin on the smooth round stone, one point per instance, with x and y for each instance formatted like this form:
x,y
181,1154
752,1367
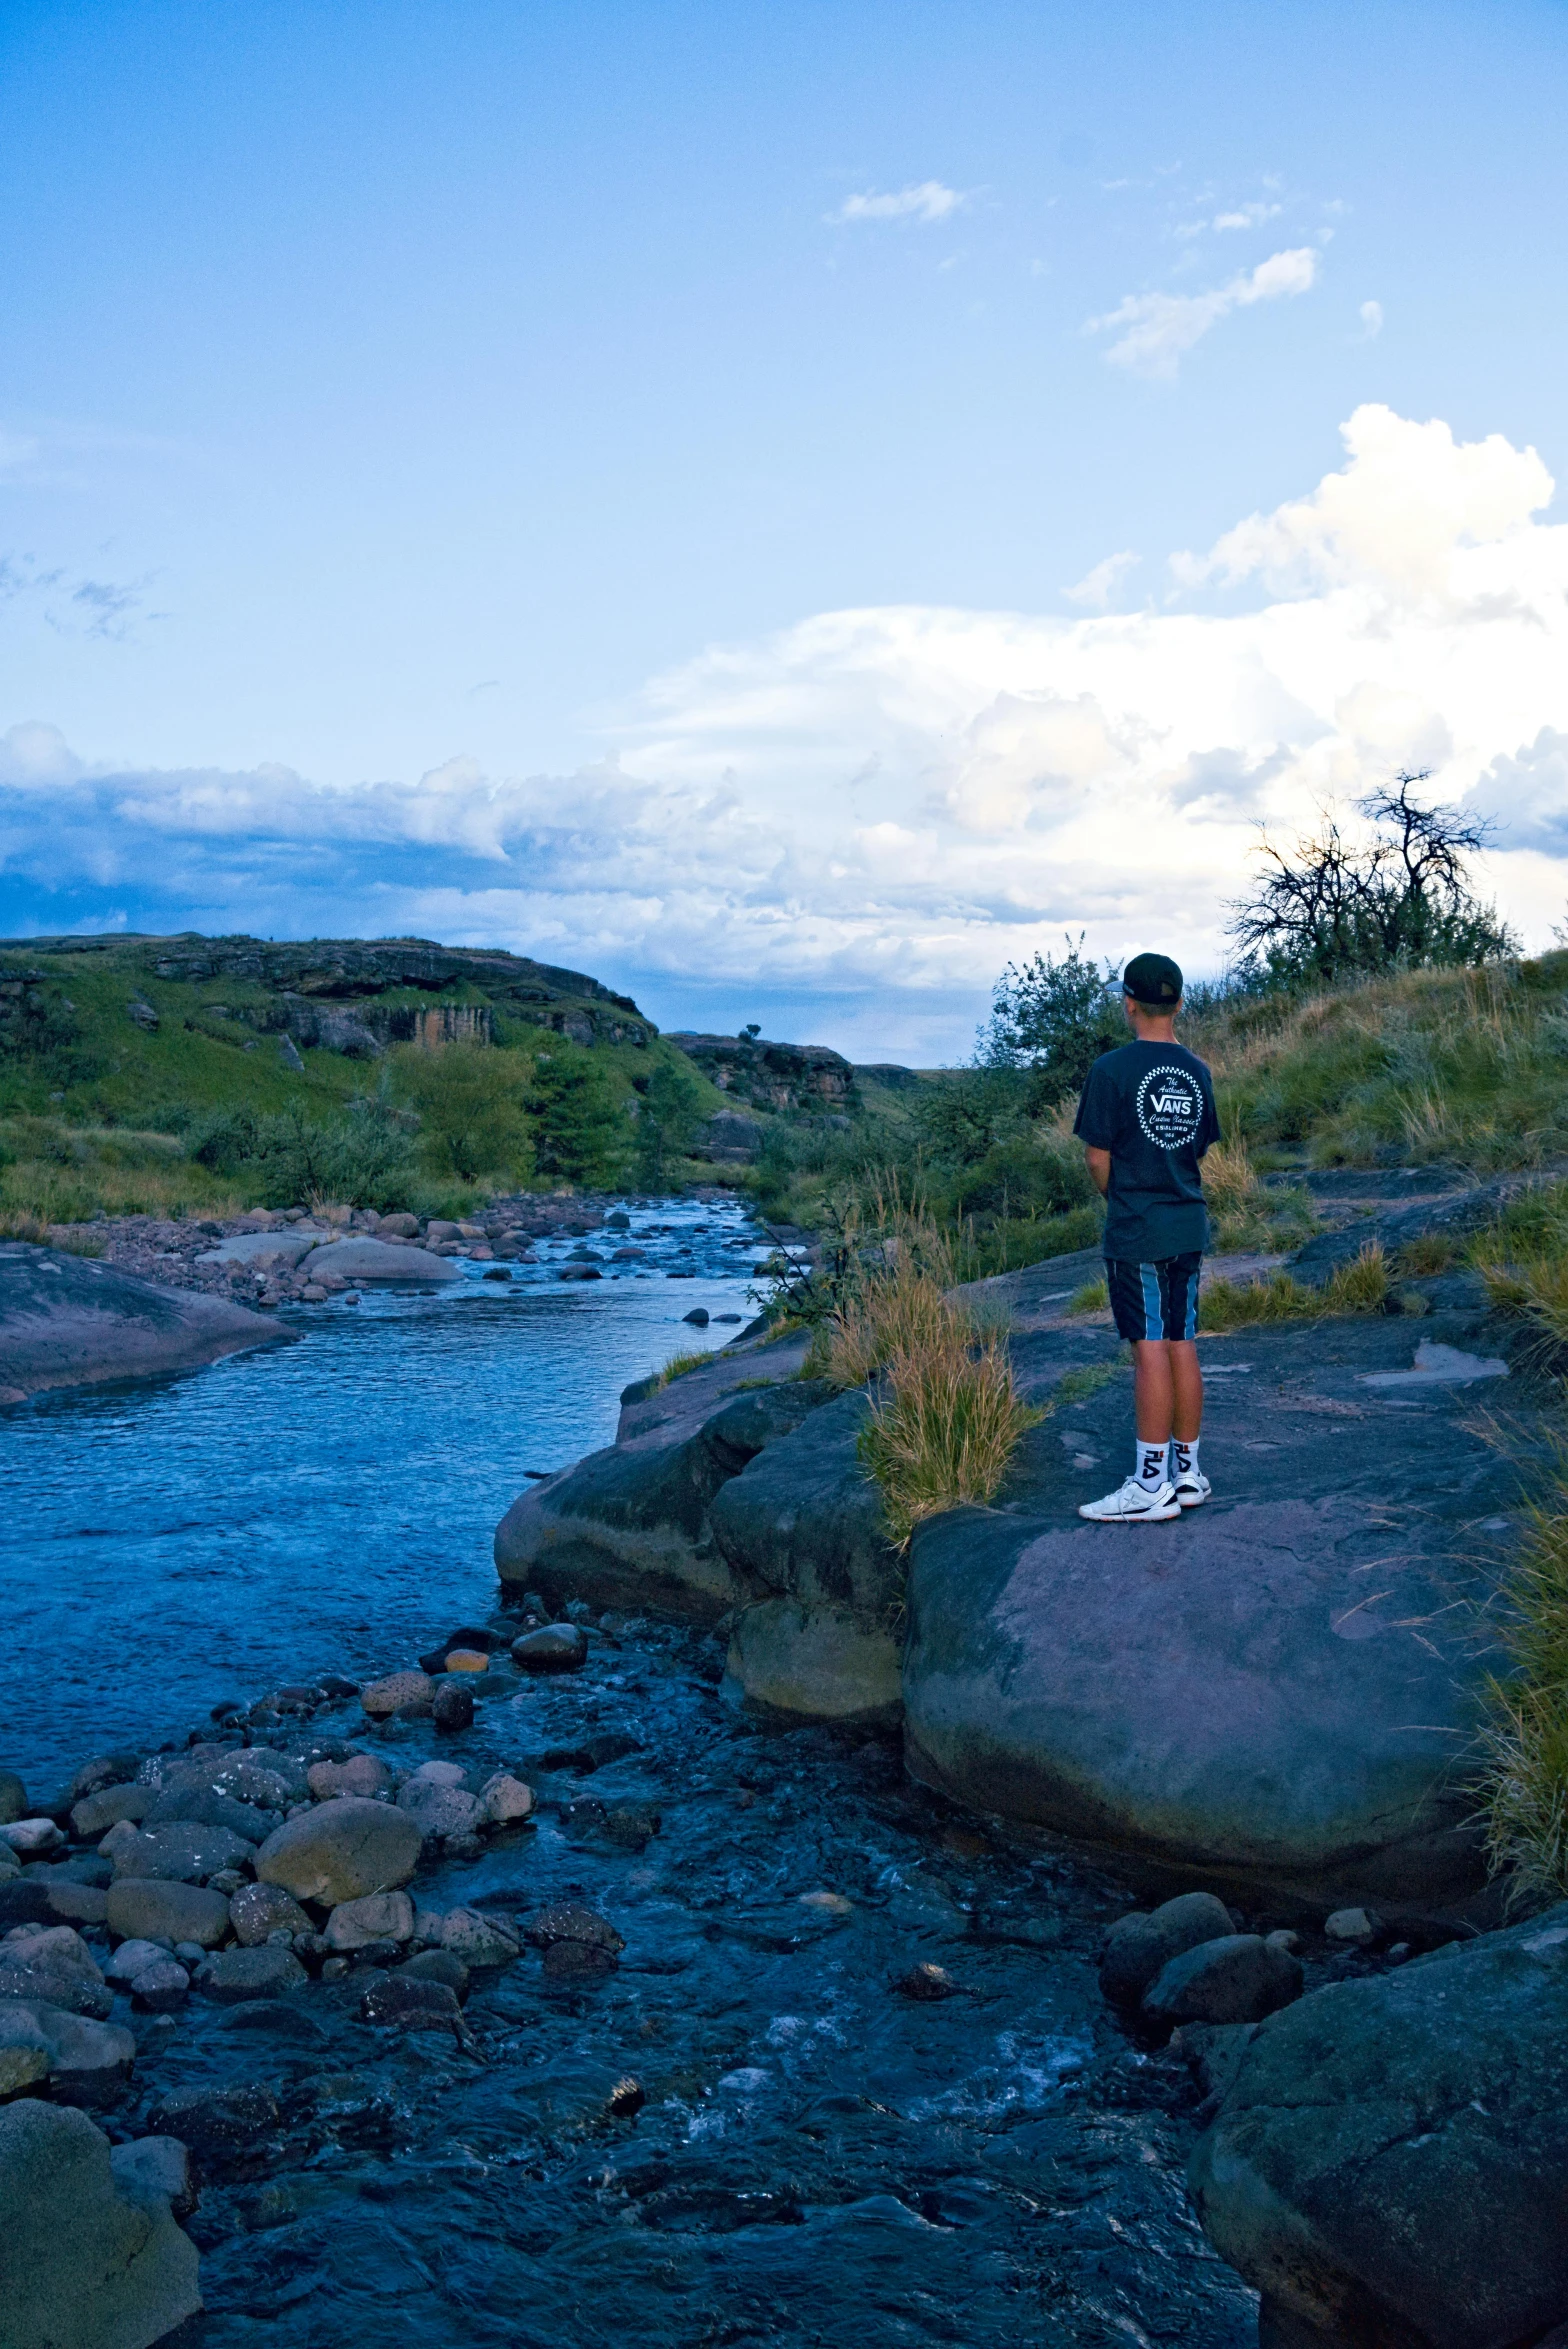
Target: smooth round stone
x,y
380,1698
263,1972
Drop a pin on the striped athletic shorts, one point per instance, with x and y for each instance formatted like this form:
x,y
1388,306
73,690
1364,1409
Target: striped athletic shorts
x,y
1154,1300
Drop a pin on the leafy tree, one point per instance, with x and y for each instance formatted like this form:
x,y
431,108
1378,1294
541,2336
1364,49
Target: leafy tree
x,y
668,1108
363,1158
471,1101
1399,898
581,1130
1052,1017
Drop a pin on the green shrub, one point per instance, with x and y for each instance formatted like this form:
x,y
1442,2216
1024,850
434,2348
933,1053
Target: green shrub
x,y
472,1102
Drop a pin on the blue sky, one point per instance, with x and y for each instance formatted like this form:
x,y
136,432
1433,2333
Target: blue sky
x,y
627,482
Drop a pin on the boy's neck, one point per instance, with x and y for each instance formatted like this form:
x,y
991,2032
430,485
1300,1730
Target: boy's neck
x,y
1153,1027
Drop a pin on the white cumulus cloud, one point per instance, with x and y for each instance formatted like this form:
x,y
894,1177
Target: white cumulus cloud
x,y
1158,330
846,828
928,201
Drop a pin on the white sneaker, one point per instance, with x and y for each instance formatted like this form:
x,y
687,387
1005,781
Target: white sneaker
x,y
1134,1504
1193,1489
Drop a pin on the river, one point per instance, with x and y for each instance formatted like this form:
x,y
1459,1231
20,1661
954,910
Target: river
x,y
816,2156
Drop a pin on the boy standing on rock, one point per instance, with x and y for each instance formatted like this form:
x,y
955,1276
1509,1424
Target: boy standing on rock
x,y
1146,1117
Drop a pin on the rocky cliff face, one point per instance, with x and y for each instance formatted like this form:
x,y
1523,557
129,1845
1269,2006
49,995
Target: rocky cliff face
x,y
772,1076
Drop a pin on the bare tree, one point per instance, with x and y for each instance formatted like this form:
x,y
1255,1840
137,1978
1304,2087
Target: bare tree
x,y
1328,907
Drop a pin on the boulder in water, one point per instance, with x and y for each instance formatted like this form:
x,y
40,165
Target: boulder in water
x,y
70,1321
341,1850
88,2257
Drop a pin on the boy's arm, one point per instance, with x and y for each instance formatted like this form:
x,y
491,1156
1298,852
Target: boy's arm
x,y
1099,1163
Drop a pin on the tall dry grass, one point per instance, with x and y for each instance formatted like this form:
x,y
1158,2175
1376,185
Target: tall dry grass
x,y
1358,1287
1525,1740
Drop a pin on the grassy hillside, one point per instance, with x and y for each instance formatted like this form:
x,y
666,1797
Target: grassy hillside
x,y
125,1088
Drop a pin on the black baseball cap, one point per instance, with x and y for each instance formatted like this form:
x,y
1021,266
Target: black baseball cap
x,y
1153,979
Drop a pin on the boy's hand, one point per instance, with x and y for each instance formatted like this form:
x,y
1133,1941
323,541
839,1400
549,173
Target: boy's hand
x,y
1099,1163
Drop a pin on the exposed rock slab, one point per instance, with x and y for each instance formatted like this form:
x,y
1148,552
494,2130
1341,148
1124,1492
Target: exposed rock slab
x,y
379,1260
86,2261
71,1321
1389,2163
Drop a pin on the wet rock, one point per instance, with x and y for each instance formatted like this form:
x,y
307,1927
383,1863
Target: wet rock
x,y
13,1798
103,1770
478,1940
225,2128
452,1707
133,1958
87,2062
582,1961
74,1903
184,1852
440,1812
578,1943
24,1901
404,2002
265,1971
341,1850
462,1659
1138,1947
263,1909
926,1982
131,2274
28,1838
626,2099
1388,2160
378,1917
71,1321
156,2168
363,1774
440,1965
557,1647
1238,1979
160,1988
698,1316
361,1260
24,2063
209,1806
817,1662
373,1953
53,1963
395,1693
159,1909
1353,1925
506,1799
95,1814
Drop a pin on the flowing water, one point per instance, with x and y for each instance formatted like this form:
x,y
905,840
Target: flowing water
x,y
815,2156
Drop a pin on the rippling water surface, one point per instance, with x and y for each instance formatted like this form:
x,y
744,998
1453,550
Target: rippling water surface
x,y
817,2157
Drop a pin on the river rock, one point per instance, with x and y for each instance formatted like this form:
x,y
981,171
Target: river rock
x,y
1389,2163
160,1909
13,1798
405,2002
440,1965
395,1692
1237,1979
28,1838
360,1260
209,1806
571,1922
341,1850
558,1647
161,1987
1138,1947
71,1321
157,2168
24,1901
258,1910
53,1963
266,1971
225,2128
361,1774
185,1851
87,2061
133,1958
506,1799
440,1810
103,1770
131,2275
380,1916
629,1526
74,1903
95,1814
478,1940
452,1707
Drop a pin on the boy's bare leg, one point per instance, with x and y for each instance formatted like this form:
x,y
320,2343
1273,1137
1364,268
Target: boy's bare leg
x,y
1167,1390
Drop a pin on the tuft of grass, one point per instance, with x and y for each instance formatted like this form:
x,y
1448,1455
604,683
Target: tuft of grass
x,y
1428,1252
1354,1288
1525,1739
1093,1297
946,1429
691,1359
1076,1386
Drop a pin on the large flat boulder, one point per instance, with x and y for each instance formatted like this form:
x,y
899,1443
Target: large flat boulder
x,y
88,2259
1280,1689
378,1260
1389,2161
70,1321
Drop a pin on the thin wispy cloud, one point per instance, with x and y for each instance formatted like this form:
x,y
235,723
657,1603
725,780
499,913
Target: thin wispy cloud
x,y
1158,330
1371,315
928,201
1097,586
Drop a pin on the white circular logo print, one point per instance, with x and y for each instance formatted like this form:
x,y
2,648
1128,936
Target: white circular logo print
x,y
1170,1107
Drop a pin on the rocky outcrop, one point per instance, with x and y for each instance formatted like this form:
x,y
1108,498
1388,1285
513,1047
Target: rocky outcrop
x,y
771,1076
358,1259
90,2254
1279,1690
1389,2161
69,1321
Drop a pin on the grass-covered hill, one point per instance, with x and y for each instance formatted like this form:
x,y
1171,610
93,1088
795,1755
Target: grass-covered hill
x,y
160,1075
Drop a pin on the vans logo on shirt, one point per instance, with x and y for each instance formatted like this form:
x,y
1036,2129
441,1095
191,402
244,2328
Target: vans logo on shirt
x,y
1169,1107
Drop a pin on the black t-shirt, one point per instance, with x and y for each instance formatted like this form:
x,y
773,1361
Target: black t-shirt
x,y
1152,1107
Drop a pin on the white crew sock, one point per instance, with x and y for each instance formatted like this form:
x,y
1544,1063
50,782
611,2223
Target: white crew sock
x,y
1152,1463
1185,1456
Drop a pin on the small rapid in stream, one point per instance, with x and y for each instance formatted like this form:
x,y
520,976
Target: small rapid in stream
x,y
752,2130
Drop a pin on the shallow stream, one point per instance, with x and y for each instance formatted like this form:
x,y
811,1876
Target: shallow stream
x,y
748,2132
